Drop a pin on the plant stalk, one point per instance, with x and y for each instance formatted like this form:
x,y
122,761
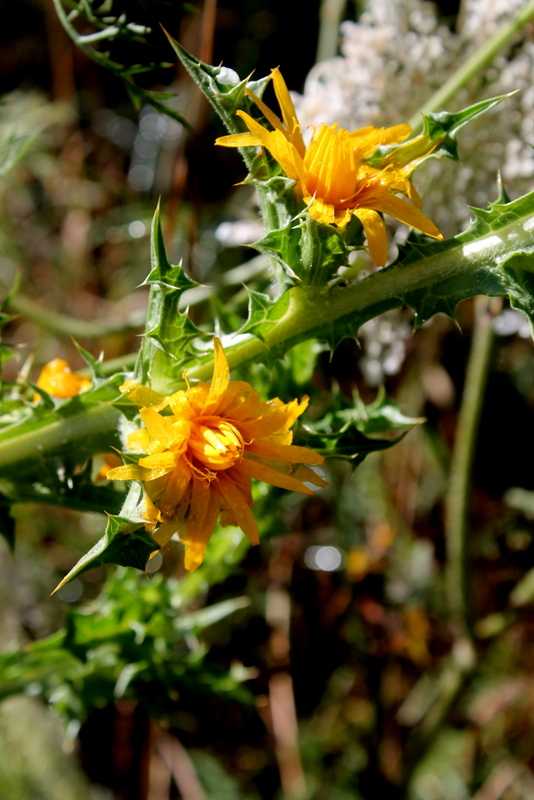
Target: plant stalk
x,y
474,64
459,490
52,437
308,312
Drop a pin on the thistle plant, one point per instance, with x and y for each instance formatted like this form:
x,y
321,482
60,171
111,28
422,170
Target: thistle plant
x,y
320,201
195,425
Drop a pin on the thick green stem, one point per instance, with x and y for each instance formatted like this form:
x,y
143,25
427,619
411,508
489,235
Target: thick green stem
x,y
311,311
307,312
459,491
53,437
474,65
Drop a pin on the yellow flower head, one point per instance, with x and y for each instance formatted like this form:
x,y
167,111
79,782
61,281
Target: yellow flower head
x,y
202,452
57,379
331,173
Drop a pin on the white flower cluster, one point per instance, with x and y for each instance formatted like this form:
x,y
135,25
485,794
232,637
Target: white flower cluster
x,y
392,61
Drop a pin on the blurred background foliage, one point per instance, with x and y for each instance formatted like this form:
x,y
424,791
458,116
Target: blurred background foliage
x,y
321,664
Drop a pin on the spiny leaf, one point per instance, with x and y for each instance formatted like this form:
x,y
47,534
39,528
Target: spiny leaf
x,y
342,431
323,251
259,306
494,257
441,124
169,331
125,541
283,244
162,272
94,364
121,29
225,95
440,128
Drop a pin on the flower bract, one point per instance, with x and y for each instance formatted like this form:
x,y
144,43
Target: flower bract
x,y
202,446
332,175
57,379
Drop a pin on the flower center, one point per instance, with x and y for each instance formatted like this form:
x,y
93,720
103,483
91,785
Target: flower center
x,y
332,165
215,442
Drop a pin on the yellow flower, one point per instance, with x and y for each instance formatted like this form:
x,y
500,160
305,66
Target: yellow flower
x,y
331,173
57,379
203,445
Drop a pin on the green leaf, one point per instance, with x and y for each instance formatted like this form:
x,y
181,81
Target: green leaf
x,y
343,431
196,621
323,252
283,244
58,483
259,306
94,364
226,98
120,29
493,257
169,332
439,127
126,642
442,124
124,543
14,148
380,416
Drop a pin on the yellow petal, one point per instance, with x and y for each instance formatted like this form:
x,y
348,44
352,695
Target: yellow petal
x,y
366,140
276,417
221,378
266,111
57,379
289,115
279,147
174,500
322,212
238,140
239,508
139,394
258,131
160,429
310,476
404,212
203,512
166,461
239,401
165,532
129,472
375,230
138,441
413,195
262,473
288,454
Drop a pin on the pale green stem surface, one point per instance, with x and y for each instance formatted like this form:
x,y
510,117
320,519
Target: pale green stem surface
x,y
474,65
459,490
52,437
330,16
308,310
